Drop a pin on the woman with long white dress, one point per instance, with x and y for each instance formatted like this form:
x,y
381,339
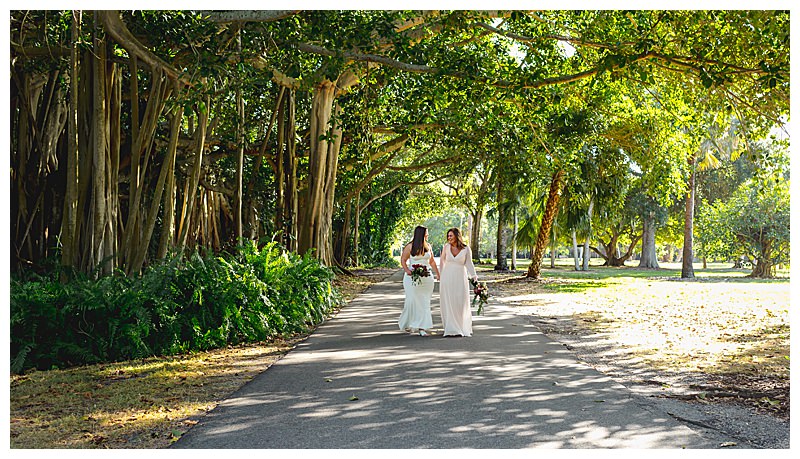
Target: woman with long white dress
x,y
416,316
456,266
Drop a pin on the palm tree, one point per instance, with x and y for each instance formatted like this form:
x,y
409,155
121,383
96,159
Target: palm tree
x,y
721,142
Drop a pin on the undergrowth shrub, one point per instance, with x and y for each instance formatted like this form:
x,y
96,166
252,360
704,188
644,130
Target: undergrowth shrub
x,y
180,304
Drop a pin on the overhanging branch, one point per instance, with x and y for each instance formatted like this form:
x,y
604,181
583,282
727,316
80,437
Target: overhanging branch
x,y
247,16
114,26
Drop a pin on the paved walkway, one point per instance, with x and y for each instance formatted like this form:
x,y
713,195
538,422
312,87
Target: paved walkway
x,y
359,382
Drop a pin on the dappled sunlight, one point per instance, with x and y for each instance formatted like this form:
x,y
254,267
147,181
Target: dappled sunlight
x,y
361,379
694,325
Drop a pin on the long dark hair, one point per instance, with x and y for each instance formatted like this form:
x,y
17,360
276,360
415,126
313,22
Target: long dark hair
x,y
457,235
418,243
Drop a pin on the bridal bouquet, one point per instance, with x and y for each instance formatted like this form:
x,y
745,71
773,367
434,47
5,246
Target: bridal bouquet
x,y
481,294
418,272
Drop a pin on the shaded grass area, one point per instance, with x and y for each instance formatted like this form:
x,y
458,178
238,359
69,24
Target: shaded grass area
x,y
723,328
146,403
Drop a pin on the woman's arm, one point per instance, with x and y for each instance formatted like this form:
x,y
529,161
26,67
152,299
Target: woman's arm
x,y
433,264
404,258
468,264
443,257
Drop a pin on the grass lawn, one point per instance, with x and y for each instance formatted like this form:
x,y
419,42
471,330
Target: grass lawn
x,y
728,327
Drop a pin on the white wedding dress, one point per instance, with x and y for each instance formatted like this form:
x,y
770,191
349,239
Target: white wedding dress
x,y
454,291
416,313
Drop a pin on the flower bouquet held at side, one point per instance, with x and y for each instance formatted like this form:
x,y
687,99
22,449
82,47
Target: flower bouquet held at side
x,y
418,272
481,294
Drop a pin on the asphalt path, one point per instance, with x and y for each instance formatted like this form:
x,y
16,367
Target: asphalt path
x,y
358,382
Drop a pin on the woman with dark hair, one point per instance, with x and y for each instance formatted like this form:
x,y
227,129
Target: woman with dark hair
x,y
420,268
456,265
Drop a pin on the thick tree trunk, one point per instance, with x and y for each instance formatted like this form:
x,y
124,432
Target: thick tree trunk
x,y
649,258
310,224
550,211
587,253
611,252
762,269
99,215
575,255
514,242
326,138
687,269
69,223
326,227
502,231
475,235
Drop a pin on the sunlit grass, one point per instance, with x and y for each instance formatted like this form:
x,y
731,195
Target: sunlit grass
x,y
137,404
720,322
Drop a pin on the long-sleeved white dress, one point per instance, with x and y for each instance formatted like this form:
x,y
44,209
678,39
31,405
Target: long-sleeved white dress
x,y
454,291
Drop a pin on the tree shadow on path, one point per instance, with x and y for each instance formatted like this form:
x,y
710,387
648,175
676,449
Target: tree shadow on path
x,y
359,382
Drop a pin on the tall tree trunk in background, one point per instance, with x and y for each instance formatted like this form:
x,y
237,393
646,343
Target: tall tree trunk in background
x,y
167,239
326,222
356,229
549,216
587,253
141,150
475,233
85,170
553,240
290,211
345,233
311,224
99,151
325,143
687,269
167,167
649,258
112,171
279,173
514,242
194,179
502,231
249,191
575,255
69,223
240,159
39,114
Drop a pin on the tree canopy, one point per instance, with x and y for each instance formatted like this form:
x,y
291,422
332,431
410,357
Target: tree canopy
x,y
136,133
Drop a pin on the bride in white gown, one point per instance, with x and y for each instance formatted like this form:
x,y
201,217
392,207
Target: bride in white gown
x,y
456,264
416,316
